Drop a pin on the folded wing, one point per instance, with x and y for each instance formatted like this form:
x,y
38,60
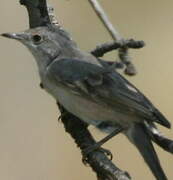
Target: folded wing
x,y
102,85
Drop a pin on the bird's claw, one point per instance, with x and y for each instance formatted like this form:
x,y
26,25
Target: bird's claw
x,y
107,152
93,148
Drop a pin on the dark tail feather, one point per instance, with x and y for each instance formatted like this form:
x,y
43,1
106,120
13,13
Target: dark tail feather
x,y
139,137
163,142
159,138
161,119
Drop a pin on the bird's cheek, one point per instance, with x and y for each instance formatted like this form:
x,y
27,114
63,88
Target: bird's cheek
x,y
31,46
53,53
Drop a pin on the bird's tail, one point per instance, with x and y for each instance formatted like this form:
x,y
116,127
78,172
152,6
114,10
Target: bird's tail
x,y
139,136
158,137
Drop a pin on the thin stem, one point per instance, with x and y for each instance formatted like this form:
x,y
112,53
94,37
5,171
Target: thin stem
x,y
123,52
105,20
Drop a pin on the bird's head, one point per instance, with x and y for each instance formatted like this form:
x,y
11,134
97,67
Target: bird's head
x,y
44,42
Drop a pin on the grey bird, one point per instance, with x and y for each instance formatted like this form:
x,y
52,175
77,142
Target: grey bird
x,y
93,91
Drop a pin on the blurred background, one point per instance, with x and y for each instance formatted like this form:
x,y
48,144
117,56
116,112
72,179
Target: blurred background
x,y
33,144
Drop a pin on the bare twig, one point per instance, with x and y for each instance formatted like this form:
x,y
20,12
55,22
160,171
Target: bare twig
x,y
37,11
123,51
105,20
100,50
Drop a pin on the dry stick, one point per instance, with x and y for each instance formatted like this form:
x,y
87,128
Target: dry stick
x,y
123,52
105,20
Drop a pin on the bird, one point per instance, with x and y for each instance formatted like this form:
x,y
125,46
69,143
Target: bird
x,y
92,90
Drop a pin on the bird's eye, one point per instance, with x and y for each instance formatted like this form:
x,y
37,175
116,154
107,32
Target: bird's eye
x,y
36,38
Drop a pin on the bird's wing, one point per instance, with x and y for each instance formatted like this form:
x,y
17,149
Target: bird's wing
x,y
103,86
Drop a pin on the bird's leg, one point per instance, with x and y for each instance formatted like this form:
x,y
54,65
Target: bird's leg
x,y
97,145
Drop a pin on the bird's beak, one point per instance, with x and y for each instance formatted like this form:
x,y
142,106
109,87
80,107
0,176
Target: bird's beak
x,y
17,36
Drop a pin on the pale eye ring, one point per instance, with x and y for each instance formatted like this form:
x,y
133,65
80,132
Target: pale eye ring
x,y
36,38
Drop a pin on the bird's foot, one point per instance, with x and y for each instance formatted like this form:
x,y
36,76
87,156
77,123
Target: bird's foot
x,y
87,151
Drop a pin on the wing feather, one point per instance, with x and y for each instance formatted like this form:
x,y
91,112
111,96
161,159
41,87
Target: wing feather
x,y
100,84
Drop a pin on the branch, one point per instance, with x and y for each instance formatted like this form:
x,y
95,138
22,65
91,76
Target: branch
x,y
105,20
37,11
98,160
107,47
123,51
